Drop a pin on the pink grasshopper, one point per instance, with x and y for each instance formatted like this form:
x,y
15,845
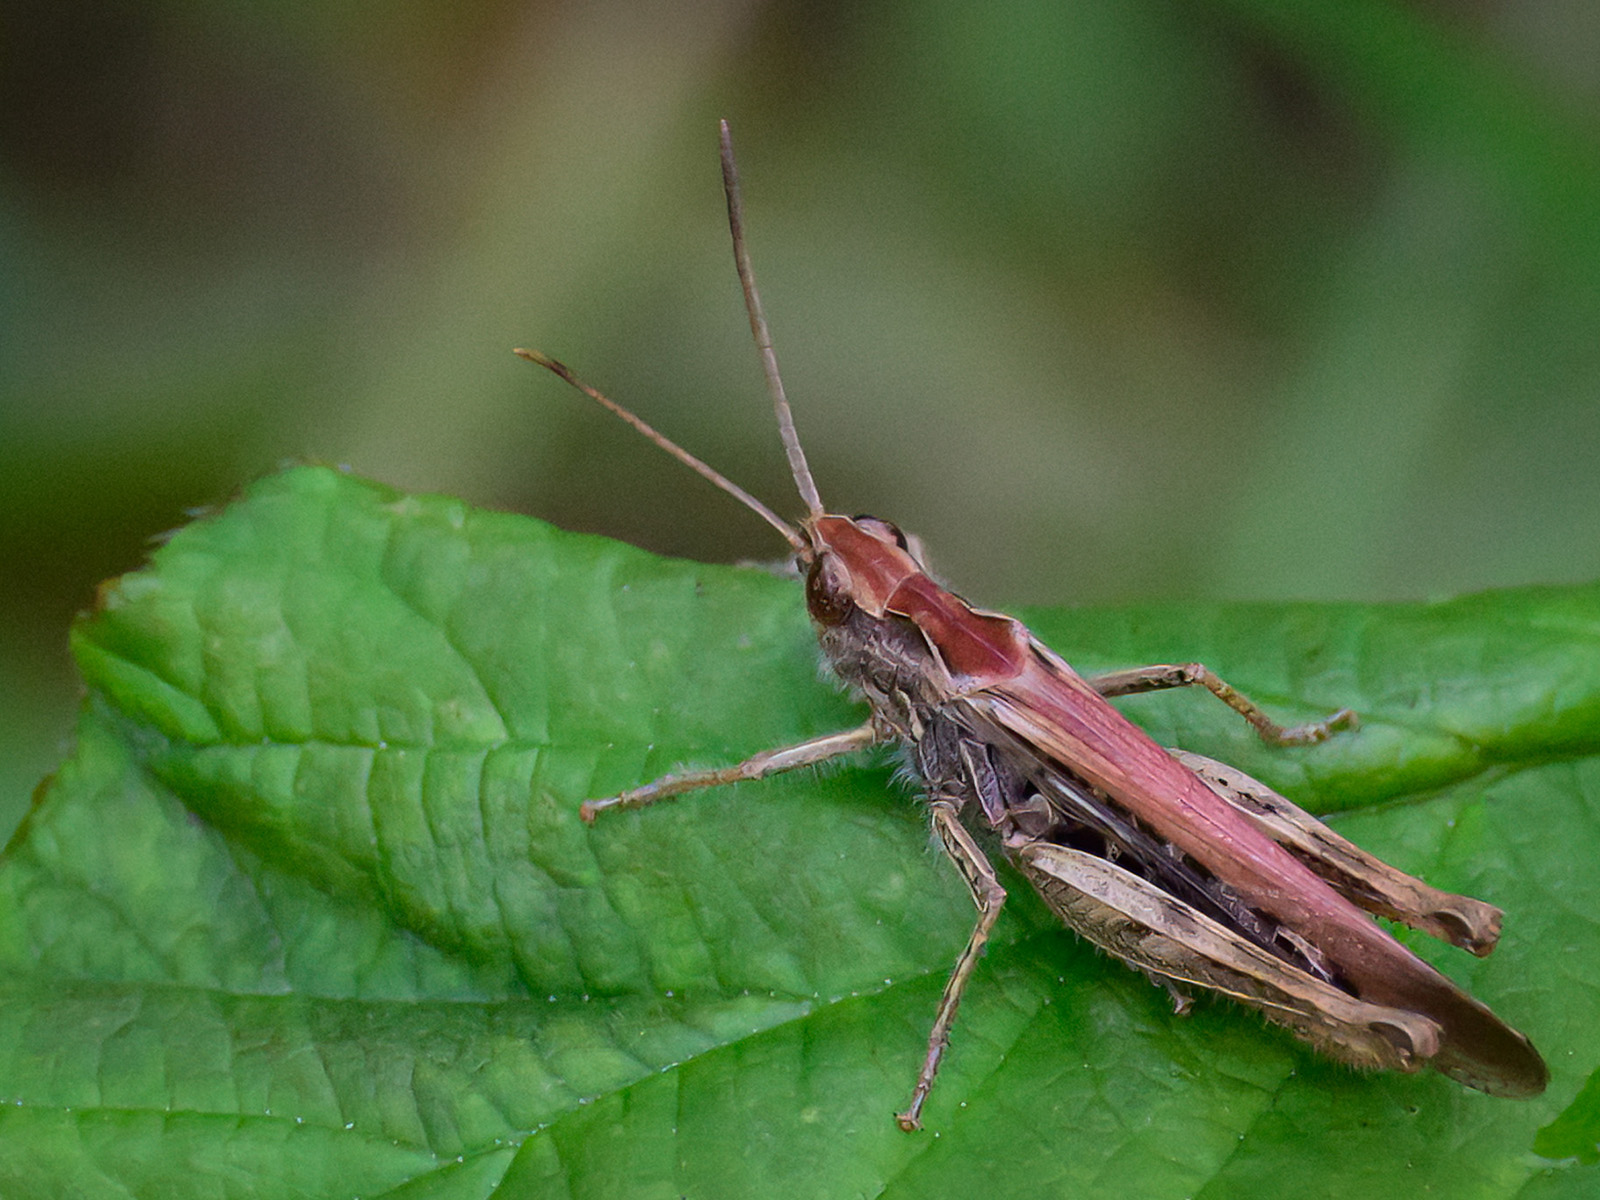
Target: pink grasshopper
x,y
1179,866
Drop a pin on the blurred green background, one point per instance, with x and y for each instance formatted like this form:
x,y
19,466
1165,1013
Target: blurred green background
x,y
1241,298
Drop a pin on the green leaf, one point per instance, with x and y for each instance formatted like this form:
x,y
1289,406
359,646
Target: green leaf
x,y
309,911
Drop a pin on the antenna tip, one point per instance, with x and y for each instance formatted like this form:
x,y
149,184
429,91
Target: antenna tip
x,y
549,364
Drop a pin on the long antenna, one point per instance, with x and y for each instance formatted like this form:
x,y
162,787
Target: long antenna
x,y
763,336
790,534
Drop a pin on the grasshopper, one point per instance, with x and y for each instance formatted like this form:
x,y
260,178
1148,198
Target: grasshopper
x,y
1181,867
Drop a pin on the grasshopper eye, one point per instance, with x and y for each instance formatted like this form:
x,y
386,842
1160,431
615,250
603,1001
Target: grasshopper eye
x,y
879,528
828,590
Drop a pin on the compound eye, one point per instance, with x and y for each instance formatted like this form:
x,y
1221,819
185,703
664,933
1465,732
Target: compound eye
x,y
883,530
828,590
